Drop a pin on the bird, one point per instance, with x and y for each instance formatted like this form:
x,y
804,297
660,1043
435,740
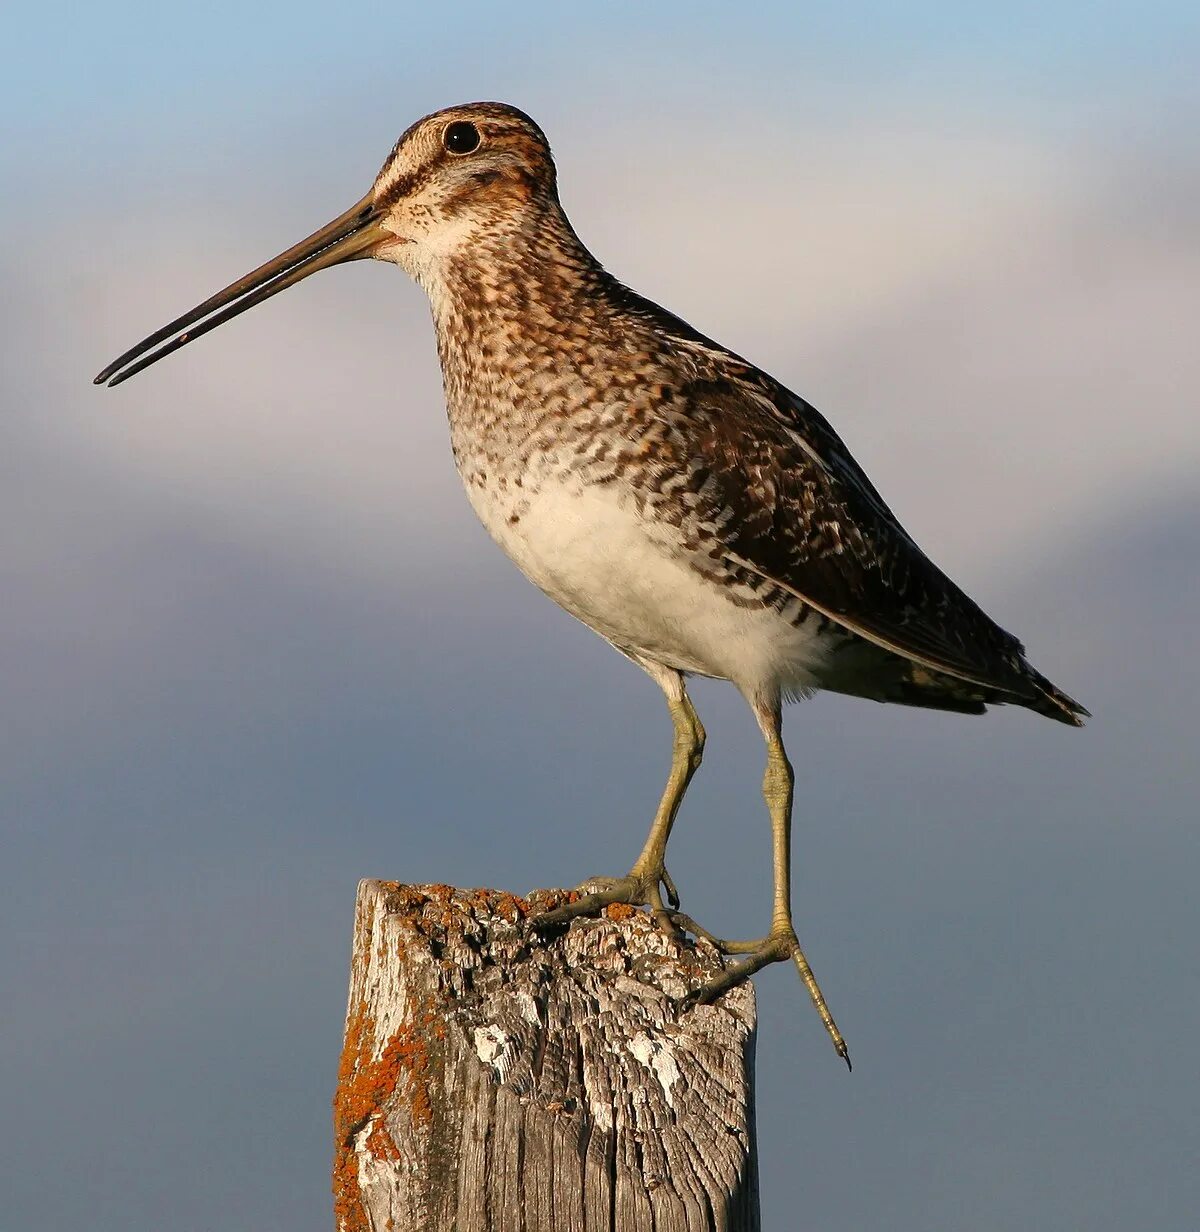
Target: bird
x,y
673,497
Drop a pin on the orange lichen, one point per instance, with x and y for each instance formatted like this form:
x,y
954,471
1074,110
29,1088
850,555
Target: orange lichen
x,y
618,912
379,1144
367,1087
511,907
394,1079
365,1084
348,1214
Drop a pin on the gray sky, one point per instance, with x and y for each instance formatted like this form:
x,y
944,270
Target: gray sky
x,y
254,647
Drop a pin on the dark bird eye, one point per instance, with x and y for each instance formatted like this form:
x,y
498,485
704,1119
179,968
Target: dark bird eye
x,y
461,137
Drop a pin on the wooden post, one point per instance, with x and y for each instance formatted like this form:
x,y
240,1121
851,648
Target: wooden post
x,y
495,1081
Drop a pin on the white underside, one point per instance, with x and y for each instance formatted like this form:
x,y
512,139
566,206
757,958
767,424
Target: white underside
x,y
628,579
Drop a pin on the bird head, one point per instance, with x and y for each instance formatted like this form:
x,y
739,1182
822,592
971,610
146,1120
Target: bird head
x,y
460,179
465,178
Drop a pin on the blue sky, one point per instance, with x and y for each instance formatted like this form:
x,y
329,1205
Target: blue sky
x,y
147,72
255,647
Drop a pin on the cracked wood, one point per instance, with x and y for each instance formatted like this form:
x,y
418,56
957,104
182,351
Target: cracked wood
x,y
495,1081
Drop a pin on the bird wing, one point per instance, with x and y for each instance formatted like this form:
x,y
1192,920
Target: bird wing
x,y
792,507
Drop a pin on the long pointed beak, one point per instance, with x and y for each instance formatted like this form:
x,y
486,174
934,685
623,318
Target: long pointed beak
x,y
350,236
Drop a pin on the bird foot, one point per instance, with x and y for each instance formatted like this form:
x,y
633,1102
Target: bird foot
x,y
779,946
638,890
644,888
634,889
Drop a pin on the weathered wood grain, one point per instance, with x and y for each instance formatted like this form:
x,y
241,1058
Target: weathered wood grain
x,y
496,1081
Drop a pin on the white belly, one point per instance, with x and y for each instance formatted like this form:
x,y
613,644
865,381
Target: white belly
x,y
630,581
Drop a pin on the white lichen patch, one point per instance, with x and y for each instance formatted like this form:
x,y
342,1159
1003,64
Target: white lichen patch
x,y
530,1010
659,1059
599,1107
496,1048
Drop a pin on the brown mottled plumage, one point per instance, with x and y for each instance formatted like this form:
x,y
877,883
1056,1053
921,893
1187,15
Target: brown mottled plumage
x,y
662,489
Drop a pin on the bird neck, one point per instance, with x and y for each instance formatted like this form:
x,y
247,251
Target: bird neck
x,y
516,303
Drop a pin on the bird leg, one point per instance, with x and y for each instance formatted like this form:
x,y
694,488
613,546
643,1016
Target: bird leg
x,y
645,881
781,943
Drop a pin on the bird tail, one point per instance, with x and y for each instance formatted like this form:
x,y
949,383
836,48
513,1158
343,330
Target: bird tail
x,y
1051,701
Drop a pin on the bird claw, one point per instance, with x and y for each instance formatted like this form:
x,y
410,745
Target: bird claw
x,y
776,947
635,891
668,884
